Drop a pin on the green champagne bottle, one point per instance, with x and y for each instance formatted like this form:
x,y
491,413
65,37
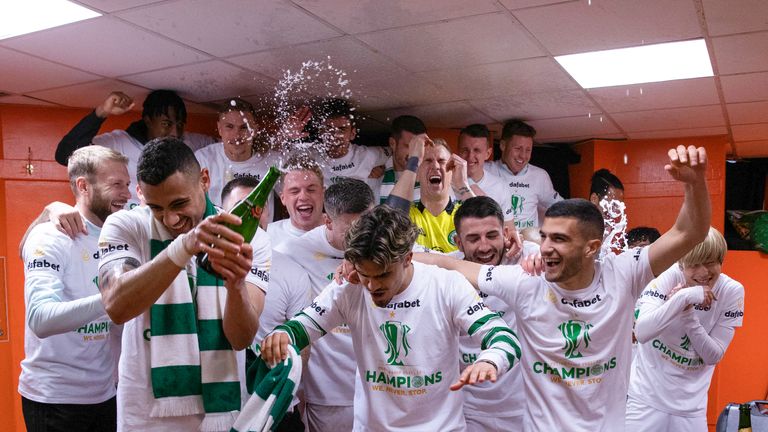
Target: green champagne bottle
x,y
745,419
249,210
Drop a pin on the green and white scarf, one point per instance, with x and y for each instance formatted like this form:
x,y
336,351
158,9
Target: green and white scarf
x,y
194,368
272,391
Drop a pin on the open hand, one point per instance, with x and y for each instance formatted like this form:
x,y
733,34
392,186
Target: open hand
x,y
476,373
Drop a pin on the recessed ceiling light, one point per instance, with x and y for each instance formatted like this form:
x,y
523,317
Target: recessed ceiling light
x,y
642,64
18,17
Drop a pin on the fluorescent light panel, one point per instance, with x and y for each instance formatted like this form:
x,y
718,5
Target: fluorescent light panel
x,y
18,17
642,64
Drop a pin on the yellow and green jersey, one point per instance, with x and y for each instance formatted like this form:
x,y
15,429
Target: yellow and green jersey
x,y
437,232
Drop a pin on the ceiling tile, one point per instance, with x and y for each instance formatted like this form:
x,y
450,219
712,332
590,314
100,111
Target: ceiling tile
x,y
384,93
574,27
537,105
648,96
238,27
346,54
574,128
749,112
203,82
750,132
105,46
741,53
359,16
23,100
745,88
498,79
21,73
724,17
115,5
453,44
679,133
91,94
446,115
520,4
674,118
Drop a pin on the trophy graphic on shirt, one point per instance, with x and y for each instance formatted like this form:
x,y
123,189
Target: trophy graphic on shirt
x,y
685,343
517,204
575,332
396,335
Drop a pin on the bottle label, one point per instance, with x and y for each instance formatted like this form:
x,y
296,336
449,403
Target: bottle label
x,y
256,211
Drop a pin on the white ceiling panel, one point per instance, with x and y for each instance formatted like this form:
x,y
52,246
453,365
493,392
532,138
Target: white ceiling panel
x,y
741,53
91,94
240,26
679,133
498,79
520,4
105,46
21,73
745,88
23,100
674,118
750,132
574,128
346,54
109,6
385,93
361,16
537,105
203,81
648,96
574,27
728,17
454,44
749,112
446,115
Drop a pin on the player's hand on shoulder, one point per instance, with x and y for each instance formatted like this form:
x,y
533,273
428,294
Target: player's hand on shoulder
x,y
66,219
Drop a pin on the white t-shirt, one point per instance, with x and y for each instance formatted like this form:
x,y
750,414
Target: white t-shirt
x,y
357,164
76,367
127,234
577,343
526,191
668,374
222,170
406,351
494,187
281,231
119,140
301,275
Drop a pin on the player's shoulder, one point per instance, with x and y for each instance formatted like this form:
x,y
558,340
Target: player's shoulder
x,y
45,236
730,287
209,151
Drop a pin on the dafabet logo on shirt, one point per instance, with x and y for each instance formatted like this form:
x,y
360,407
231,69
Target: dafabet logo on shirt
x,y
576,335
396,335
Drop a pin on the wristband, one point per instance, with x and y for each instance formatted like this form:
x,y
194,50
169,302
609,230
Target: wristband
x,y
412,164
177,253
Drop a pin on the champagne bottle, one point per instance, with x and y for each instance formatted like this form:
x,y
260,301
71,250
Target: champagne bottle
x,y
249,210
745,419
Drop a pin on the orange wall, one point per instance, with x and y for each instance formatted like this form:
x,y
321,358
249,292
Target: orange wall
x,y
22,197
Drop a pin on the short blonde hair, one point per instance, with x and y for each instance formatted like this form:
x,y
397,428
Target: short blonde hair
x,y
85,161
442,142
713,248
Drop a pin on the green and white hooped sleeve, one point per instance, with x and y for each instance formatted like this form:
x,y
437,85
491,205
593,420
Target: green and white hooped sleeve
x,y
311,323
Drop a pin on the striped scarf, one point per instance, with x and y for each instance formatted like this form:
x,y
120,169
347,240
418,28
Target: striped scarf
x,y
194,368
272,391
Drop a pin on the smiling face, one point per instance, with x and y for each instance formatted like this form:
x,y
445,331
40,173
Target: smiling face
x,y
481,239
338,133
109,189
435,180
567,253
475,151
516,152
385,283
400,148
178,202
704,274
237,129
302,196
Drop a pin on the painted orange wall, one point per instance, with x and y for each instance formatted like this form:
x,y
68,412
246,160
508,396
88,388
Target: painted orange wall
x,y
35,131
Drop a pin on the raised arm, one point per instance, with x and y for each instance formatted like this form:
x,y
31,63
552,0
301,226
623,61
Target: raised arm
x,y
469,269
82,134
459,180
402,193
687,166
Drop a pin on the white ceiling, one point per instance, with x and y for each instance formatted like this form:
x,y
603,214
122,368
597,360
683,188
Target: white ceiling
x,y
451,62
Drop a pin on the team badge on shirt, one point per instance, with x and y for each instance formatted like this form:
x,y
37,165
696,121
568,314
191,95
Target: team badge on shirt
x,y
396,334
576,335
